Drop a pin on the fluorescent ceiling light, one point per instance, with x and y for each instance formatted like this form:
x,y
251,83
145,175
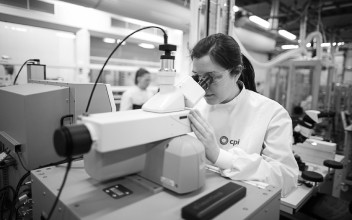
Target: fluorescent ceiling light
x,y
259,21
235,8
327,44
288,47
109,40
146,46
287,34
16,28
119,40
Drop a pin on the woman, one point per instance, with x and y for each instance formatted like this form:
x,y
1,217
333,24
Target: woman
x,y
245,134
136,96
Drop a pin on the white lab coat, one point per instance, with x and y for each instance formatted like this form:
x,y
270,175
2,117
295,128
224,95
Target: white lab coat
x,y
134,96
242,127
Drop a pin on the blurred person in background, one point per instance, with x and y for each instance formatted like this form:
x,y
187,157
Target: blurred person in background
x,y
136,96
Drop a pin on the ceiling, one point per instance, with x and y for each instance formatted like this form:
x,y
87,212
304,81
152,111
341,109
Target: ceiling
x,y
333,16
169,13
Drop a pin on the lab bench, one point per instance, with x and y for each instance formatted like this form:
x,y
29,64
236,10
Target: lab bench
x,y
84,198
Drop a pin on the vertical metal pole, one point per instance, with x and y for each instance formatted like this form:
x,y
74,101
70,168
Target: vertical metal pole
x,y
231,18
207,18
223,16
196,27
317,67
303,30
274,14
291,80
218,16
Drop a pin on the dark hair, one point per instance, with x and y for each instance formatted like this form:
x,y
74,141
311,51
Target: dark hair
x,y
140,72
225,51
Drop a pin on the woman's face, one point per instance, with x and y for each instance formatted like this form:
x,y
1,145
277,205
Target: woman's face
x,y
223,87
144,81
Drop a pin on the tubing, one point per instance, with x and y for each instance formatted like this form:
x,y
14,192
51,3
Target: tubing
x,y
284,56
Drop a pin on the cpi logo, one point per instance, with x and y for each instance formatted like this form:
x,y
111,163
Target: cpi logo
x,y
224,140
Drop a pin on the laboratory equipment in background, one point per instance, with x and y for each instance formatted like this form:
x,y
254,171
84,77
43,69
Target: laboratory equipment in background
x,y
305,125
305,83
341,102
31,112
6,71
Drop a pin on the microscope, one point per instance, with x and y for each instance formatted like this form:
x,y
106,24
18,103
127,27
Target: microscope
x,y
304,129
152,142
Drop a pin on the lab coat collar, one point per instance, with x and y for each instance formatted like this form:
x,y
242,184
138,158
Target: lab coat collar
x,y
237,99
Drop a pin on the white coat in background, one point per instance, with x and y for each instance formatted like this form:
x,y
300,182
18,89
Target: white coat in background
x,y
134,96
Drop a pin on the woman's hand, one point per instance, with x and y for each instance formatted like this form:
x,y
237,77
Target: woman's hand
x,y
205,133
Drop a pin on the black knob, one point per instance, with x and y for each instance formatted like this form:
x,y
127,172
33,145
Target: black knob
x,y
72,140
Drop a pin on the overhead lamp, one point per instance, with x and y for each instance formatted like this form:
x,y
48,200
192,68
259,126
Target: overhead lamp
x,y
16,28
235,8
109,40
146,46
340,43
287,34
289,47
259,21
327,44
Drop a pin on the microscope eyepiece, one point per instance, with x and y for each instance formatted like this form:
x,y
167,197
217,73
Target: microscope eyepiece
x,y
203,82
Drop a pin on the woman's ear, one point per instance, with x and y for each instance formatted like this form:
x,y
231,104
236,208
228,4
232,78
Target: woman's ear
x,y
238,71
138,79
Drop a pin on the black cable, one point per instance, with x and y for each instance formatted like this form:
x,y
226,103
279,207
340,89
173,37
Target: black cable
x,y
8,187
19,158
101,70
64,117
61,162
18,73
208,19
19,184
2,203
4,197
61,188
1,207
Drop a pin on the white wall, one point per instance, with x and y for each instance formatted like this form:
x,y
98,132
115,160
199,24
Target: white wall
x,y
260,72
56,49
75,18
